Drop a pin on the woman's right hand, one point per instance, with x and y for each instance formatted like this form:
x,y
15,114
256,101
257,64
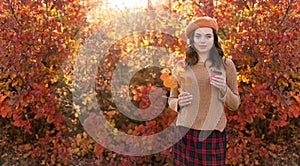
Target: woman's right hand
x,y
184,99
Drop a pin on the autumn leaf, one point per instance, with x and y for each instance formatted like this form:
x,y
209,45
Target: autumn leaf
x,y
2,97
171,82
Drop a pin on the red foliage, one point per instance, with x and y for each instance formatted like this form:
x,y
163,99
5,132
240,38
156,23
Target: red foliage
x,y
36,39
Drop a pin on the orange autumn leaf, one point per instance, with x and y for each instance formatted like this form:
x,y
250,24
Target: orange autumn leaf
x,y
171,82
164,76
2,97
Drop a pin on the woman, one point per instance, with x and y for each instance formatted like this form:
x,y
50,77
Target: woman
x,y
204,142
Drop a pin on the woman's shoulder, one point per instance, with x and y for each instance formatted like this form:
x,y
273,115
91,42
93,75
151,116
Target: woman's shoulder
x,y
228,62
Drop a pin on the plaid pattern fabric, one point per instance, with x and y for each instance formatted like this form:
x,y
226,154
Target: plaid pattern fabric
x,y
190,151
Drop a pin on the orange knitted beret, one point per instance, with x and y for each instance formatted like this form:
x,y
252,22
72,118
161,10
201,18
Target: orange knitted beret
x,y
201,22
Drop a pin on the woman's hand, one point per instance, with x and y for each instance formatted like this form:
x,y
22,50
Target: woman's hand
x,y
219,81
184,99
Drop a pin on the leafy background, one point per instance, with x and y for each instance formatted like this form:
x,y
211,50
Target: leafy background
x,y
39,120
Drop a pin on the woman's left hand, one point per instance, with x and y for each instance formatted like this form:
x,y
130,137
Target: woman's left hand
x,y
219,81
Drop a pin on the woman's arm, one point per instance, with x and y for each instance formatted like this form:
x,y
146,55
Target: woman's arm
x,y
231,97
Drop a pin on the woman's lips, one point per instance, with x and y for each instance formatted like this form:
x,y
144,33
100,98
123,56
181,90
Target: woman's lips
x,y
202,46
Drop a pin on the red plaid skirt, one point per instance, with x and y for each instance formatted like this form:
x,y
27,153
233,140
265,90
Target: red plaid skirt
x,y
192,151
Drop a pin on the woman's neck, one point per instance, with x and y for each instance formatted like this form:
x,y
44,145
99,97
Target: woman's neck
x,y
203,56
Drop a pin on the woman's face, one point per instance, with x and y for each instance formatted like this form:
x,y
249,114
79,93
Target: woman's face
x,y
203,39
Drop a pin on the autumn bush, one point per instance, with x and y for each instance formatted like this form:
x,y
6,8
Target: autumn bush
x,y
40,122
37,37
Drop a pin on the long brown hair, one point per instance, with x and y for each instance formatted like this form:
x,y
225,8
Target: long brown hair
x,y
215,56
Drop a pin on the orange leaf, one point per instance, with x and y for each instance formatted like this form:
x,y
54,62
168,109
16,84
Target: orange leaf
x,y
171,82
164,76
296,97
2,97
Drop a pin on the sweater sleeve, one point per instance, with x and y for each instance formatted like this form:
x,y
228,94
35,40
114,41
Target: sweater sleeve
x,y
232,97
173,99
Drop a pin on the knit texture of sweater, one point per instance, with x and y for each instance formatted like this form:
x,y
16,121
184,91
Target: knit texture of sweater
x,y
207,109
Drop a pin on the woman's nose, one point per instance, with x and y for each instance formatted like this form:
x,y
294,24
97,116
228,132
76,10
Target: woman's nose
x,y
202,40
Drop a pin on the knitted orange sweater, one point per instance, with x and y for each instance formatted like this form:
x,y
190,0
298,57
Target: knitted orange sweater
x,y
207,109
